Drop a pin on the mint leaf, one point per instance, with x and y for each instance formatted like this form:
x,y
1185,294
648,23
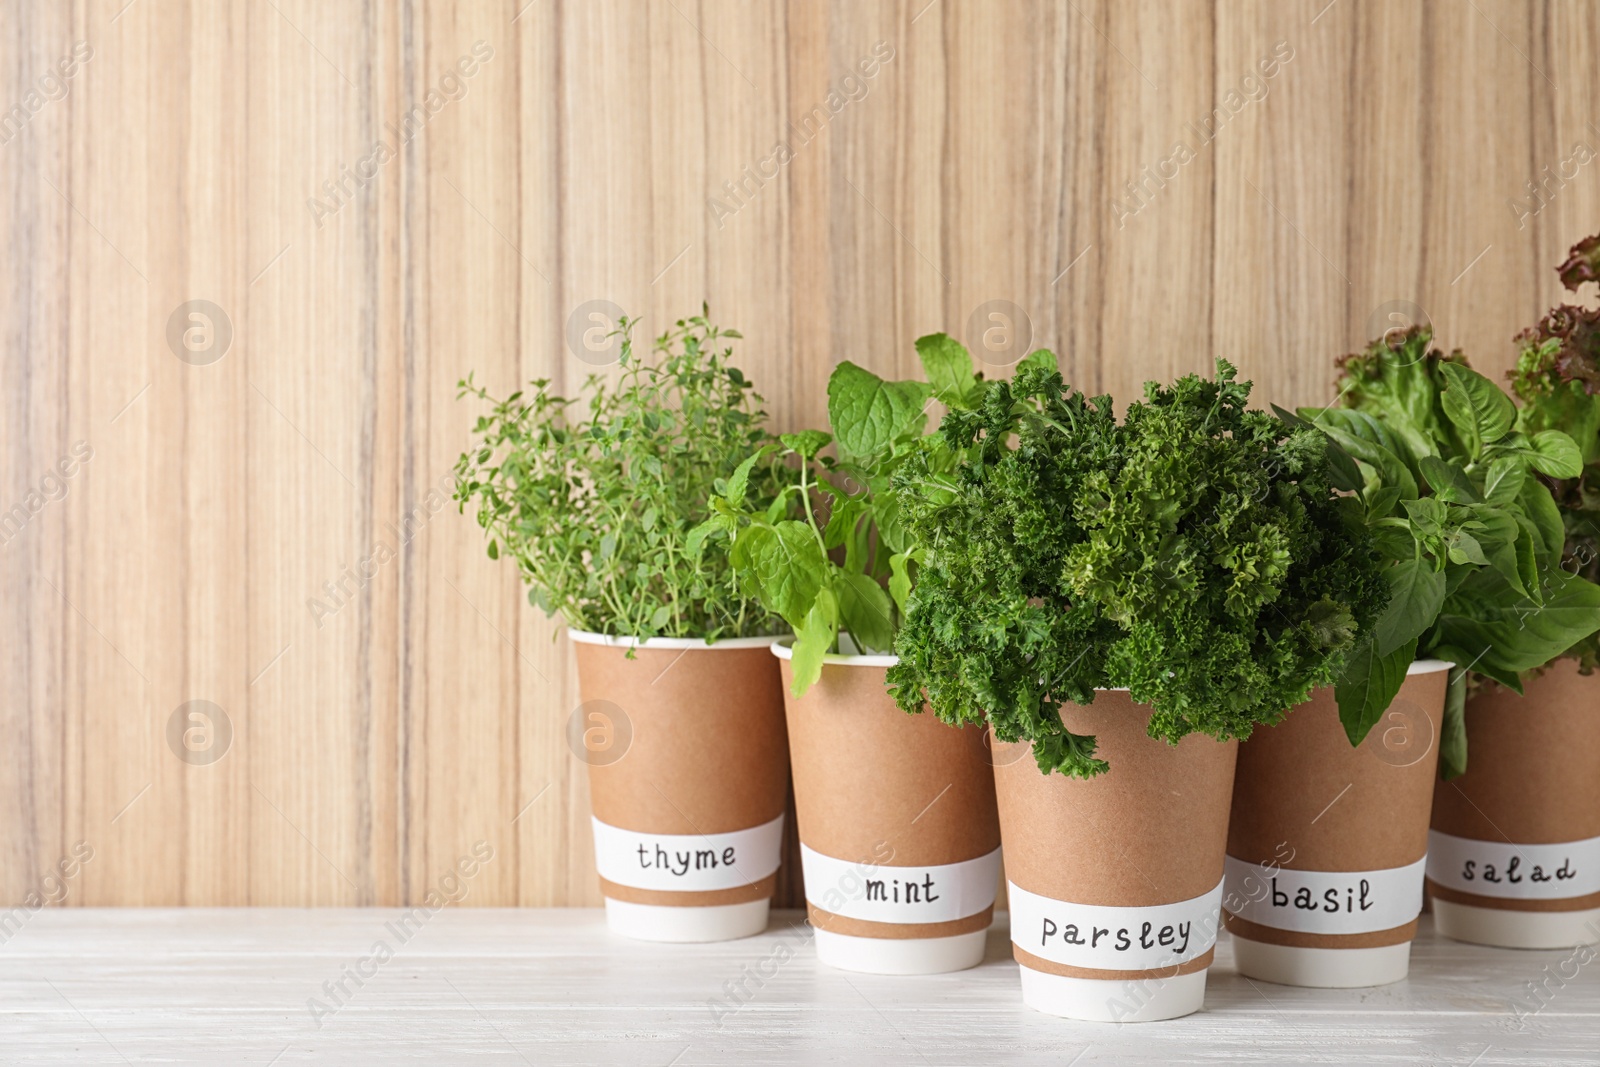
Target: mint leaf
x,y
846,515
867,412
786,567
739,483
806,443
787,556
900,577
813,637
865,611
1040,359
948,367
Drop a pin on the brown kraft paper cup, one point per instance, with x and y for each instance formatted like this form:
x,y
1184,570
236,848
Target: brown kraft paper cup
x,y
1147,833
684,740
1305,799
1532,779
885,802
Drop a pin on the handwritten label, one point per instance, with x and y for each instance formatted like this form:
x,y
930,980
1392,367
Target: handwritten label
x,y
1324,902
1111,938
1515,872
696,862
917,894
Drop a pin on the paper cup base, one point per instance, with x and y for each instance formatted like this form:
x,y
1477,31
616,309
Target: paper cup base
x,y
1321,968
657,922
884,955
1120,1000
1516,929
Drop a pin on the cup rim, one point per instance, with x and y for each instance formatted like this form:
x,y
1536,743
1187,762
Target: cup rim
x,y
783,648
588,637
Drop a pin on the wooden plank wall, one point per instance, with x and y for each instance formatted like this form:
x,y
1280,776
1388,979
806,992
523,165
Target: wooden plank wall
x,y
268,156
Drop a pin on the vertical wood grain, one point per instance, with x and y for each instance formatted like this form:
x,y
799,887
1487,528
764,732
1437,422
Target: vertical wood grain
x,y
42,694
267,531
322,403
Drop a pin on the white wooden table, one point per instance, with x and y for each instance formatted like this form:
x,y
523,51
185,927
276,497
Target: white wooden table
x,y
553,987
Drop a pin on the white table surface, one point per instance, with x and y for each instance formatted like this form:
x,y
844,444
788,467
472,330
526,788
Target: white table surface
x,y
217,986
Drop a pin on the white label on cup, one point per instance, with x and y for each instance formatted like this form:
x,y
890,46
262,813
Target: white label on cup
x,y
687,862
1323,902
1111,938
929,893
1515,872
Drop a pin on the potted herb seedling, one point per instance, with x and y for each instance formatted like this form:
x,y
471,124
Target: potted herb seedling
x,y
1124,600
1342,791
1514,853
682,719
898,832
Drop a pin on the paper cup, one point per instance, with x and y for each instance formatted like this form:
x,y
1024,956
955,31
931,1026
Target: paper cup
x,y
1326,843
898,833
1514,853
1115,882
688,781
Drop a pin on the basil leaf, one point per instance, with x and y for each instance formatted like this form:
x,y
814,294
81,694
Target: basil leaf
x,y
1427,515
1540,508
1503,484
1477,406
1390,467
1448,482
1508,632
1453,742
1416,595
1343,470
1555,454
1369,685
1496,531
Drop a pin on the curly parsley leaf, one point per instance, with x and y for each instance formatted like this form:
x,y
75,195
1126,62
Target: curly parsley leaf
x,y
1195,553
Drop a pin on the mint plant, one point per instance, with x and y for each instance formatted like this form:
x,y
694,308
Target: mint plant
x,y
822,553
596,504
